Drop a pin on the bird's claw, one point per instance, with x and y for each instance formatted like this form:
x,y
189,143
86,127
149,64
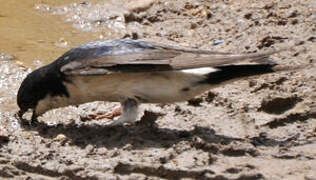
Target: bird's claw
x,y
116,112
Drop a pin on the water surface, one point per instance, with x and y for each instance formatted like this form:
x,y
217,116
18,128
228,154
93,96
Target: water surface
x,y
32,35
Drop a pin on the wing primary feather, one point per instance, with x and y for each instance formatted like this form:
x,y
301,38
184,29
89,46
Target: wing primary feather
x,y
187,62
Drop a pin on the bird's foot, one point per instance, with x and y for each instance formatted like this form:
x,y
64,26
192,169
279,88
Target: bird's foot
x,y
120,121
129,113
116,112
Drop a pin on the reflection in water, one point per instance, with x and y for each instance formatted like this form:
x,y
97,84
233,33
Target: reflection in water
x,y
32,35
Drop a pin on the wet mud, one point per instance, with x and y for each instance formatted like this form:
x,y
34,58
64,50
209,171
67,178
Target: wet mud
x,y
257,128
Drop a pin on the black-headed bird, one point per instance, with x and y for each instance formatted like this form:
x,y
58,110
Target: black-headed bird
x,y
133,72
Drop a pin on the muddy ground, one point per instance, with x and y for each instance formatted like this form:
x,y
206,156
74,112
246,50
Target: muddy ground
x,y
258,128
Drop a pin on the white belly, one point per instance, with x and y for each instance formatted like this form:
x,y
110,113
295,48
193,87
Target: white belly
x,y
157,87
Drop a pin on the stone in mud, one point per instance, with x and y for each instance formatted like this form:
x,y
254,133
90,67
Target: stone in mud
x,y
4,136
140,5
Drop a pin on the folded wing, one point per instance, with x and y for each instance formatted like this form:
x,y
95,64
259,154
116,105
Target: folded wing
x,y
138,56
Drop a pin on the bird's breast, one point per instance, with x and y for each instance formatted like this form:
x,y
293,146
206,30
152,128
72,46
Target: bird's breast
x,y
148,87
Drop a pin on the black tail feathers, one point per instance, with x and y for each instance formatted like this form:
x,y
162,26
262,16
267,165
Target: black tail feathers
x,y
232,72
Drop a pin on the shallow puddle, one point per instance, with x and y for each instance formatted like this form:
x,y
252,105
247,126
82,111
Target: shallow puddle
x,y
34,36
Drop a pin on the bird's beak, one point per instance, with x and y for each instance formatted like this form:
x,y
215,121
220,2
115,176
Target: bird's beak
x,y
34,116
20,113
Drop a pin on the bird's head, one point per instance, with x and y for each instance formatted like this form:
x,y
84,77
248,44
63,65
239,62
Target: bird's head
x,y
39,86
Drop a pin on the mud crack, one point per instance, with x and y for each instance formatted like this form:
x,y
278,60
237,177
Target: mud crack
x,y
47,172
159,171
291,118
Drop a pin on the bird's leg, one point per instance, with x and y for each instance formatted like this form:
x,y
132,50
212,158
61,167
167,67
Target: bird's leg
x,y
129,112
116,112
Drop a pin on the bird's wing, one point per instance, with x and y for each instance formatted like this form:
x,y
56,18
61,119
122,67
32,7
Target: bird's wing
x,y
121,55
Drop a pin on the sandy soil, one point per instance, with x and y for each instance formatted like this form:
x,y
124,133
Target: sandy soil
x,y
258,128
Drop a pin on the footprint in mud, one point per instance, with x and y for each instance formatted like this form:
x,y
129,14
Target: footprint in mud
x,y
278,105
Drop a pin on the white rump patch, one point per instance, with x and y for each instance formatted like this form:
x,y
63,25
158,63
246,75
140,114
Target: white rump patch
x,y
200,71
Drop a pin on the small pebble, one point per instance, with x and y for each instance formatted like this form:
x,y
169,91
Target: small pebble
x,y
62,43
217,42
6,57
61,138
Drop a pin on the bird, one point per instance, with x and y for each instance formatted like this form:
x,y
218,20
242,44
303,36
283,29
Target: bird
x,y
133,72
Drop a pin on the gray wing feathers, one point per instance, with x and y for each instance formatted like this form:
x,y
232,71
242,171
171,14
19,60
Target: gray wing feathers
x,y
163,57
147,57
187,61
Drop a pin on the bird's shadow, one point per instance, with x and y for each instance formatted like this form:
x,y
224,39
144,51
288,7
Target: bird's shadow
x,y
140,135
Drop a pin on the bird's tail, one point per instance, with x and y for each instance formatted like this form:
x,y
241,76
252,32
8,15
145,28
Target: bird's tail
x,y
229,73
